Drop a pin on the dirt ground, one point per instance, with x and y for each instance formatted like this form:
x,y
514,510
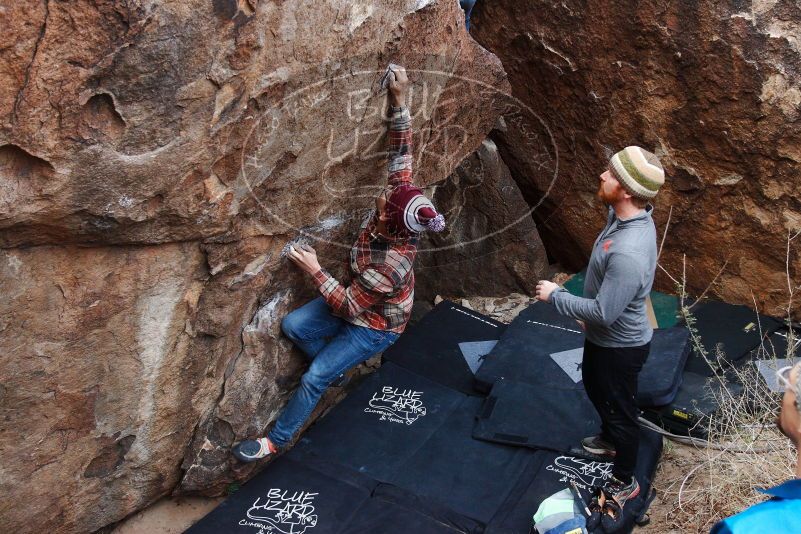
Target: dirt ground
x,y
168,516
671,468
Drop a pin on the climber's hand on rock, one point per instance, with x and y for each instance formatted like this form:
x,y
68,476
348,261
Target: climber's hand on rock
x,y
398,83
305,257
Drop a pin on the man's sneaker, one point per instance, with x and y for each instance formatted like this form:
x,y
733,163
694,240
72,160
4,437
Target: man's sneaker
x,y
617,494
598,446
251,450
620,492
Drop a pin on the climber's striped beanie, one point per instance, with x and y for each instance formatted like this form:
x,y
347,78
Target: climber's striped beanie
x,y
409,209
638,171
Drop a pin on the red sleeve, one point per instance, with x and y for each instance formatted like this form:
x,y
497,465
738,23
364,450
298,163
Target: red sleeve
x,y
368,289
399,147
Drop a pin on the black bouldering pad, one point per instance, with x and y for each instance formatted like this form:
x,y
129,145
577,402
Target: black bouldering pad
x,y
431,348
739,332
698,399
736,330
430,454
471,477
291,498
392,510
540,417
523,353
382,423
542,347
551,472
660,378
779,349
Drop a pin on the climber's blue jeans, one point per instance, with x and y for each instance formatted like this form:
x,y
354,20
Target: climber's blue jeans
x,y
467,6
333,345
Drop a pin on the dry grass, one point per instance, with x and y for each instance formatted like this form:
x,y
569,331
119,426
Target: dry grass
x,y
744,451
704,483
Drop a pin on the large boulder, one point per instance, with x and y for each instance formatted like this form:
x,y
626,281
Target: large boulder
x,y
97,379
714,88
155,157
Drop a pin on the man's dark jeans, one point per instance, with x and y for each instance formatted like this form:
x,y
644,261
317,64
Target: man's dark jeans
x,y
610,379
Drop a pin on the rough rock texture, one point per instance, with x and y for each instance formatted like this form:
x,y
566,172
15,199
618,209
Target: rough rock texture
x,y
713,87
155,157
490,245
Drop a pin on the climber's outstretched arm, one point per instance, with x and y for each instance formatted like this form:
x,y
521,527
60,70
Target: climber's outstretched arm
x,y
399,139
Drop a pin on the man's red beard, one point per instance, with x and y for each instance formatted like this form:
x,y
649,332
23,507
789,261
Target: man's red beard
x,y
602,196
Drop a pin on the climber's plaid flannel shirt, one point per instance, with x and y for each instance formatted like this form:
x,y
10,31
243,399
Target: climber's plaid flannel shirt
x,y
381,291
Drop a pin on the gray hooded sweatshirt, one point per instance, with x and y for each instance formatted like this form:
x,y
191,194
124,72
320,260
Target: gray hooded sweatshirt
x,y
619,278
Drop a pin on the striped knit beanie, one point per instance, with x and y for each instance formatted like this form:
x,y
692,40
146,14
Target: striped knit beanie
x,y
408,208
638,171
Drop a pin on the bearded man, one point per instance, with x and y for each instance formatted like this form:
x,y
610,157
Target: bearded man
x,y
613,310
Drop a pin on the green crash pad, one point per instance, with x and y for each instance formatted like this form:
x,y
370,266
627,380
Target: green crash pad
x,y
666,307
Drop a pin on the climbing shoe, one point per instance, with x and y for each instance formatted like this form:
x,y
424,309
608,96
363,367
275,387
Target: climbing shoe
x,y
620,492
251,450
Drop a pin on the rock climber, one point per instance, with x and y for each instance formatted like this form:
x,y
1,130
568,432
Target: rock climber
x,y
346,325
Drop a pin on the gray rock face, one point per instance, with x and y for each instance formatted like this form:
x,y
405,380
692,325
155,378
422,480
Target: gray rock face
x,y
155,157
714,88
491,245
